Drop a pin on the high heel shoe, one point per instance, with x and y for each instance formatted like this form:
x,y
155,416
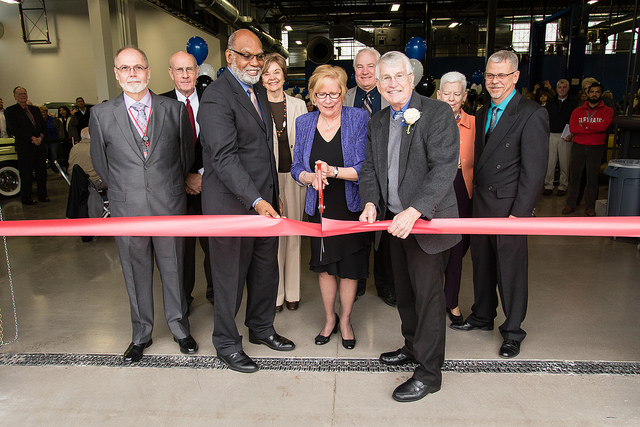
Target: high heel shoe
x,y
455,320
349,344
321,339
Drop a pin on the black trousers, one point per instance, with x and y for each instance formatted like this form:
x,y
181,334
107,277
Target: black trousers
x,y
194,207
585,158
32,157
419,292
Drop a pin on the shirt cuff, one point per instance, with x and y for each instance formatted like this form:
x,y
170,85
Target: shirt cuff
x,y
201,171
255,202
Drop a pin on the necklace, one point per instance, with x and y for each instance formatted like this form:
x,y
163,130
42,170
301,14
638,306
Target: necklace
x,y
330,125
280,131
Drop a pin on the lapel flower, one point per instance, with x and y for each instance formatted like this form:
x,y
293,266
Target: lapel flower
x,y
410,117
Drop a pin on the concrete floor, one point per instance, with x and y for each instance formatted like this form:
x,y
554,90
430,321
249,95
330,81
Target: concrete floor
x,y
70,300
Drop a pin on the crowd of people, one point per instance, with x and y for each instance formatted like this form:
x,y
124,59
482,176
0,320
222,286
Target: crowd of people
x,y
378,151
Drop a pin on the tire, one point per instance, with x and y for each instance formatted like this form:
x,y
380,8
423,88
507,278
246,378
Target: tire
x,y
9,180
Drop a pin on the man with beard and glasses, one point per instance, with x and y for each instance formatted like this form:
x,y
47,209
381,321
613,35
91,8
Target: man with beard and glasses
x,y
142,147
241,178
588,124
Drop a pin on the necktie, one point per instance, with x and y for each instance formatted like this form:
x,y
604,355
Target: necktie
x,y
254,100
398,115
367,105
494,120
26,110
141,117
192,119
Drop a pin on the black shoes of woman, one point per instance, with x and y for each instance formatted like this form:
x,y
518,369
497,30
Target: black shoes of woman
x,y
349,344
321,339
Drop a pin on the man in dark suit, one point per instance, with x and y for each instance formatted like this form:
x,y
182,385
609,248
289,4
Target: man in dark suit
x,y
511,150
83,113
412,160
183,70
142,147
25,123
240,178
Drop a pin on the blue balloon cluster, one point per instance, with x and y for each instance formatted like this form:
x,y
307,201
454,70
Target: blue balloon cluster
x,y
477,77
220,71
416,48
197,47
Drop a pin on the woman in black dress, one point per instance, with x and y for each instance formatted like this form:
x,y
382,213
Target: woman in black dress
x,y
335,138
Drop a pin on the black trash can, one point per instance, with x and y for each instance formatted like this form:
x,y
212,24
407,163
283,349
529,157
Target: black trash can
x,y
624,187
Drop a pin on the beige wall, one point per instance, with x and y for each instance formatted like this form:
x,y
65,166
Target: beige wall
x,y
66,71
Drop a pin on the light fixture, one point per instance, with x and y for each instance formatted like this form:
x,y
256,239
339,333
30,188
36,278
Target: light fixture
x,y
454,24
298,42
592,1
11,1
288,28
395,7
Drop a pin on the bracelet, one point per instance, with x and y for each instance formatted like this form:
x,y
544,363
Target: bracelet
x,y
304,173
335,171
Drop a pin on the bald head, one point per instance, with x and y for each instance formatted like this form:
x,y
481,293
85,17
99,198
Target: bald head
x,y
183,70
244,56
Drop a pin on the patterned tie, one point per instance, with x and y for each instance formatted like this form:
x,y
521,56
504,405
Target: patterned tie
x,y
141,117
28,112
367,104
398,115
492,124
192,119
254,100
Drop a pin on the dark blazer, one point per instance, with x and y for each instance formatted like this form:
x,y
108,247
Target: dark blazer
x,y
237,149
197,159
19,125
428,165
509,169
139,186
354,149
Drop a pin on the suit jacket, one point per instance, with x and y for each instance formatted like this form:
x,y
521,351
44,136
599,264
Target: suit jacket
x,y
428,165
351,99
19,125
295,108
237,149
509,169
83,119
353,130
139,186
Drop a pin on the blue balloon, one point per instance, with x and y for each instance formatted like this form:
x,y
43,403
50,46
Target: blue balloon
x,y
352,80
296,90
477,77
285,86
305,92
416,48
197,47
220,71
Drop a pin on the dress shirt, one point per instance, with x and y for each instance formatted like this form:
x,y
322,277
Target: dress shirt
x,y
3,125
195,104
146,100
501,108
376,99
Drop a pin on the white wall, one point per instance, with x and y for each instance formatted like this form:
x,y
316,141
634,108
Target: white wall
x,y
66,71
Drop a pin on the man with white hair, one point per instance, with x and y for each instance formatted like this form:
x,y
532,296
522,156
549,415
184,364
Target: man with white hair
x,y
412,158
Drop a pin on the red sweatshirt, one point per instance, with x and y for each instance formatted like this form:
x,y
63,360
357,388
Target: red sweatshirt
x,y
589,125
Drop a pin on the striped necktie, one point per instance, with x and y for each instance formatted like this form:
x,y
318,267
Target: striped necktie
x,y
367,104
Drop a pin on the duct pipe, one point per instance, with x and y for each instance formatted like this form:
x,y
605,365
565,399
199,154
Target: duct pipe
x,y
227,13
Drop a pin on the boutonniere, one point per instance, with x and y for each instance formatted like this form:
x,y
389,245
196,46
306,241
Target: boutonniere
x,y
410,117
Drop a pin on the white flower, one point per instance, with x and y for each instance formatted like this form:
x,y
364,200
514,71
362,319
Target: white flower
x,y
410,117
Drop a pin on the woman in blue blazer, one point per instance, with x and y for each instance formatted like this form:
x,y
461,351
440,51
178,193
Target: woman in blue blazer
x,y
336,138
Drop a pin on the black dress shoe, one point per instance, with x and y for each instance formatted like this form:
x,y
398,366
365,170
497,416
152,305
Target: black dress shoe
x,y
133,353
412,390
44,199
349,344
29,202
239,362
187,345
274,342
279,308
389,299
322,340
466,326
396,358
509,348
292,305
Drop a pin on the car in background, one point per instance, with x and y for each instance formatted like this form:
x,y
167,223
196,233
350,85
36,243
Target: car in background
x,y
9,174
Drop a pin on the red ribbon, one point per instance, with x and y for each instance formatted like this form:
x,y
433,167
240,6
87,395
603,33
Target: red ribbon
x,y
261,226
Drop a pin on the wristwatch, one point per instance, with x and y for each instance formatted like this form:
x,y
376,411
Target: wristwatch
x,y
335,171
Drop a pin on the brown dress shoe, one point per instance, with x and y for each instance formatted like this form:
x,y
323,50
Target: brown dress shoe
x,y
292,305
567,210
589,212
279,308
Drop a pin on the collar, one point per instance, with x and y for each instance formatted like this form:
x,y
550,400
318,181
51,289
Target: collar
x,y
362,93
243,84
146,100
403,109
193,98
504,103
466,120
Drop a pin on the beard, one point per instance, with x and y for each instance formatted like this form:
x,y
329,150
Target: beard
x,y
243,76
594,99
133,87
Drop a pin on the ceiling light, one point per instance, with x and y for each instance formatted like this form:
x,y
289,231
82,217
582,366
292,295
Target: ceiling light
x,y
454,24
395,7
11,1
298,42
288,28
592,1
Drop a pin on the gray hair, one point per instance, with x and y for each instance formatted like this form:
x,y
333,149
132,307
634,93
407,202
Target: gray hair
x,y
562,81
454,77
144,55
366,49
394,58
84,133
505,56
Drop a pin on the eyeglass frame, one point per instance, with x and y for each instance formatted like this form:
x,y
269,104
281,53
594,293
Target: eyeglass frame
x,y
126,69
181,71
499,76
329,94
249,56
386,80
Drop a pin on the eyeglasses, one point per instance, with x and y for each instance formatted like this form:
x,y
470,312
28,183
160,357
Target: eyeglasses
x,y
248,56
332,95
126,69
399,78
501,76
180,71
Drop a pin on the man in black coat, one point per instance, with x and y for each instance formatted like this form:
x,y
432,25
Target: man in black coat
x,y
183,70
25,123
511,150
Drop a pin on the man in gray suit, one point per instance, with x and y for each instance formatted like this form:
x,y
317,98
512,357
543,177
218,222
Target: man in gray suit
x,y
240,178
412,160
142,147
